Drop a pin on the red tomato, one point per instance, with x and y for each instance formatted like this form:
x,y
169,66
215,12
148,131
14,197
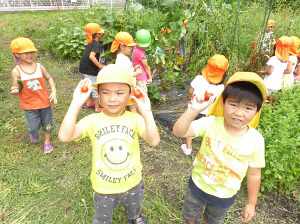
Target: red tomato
x,y
137,93
84,89
207,96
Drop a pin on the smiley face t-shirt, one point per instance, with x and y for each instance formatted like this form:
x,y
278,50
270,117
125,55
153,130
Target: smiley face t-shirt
x,y
116,165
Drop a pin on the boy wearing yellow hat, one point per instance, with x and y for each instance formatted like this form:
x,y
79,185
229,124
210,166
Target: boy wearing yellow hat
x,y
231,148
116,167
28,81
93,59
210,80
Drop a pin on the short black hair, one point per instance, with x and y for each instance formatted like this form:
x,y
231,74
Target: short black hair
x,y
243,91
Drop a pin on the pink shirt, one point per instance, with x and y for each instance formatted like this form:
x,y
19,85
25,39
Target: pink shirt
x,y
137,56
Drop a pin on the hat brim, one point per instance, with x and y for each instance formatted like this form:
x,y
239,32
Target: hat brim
x,y
143,45
95,85
211,77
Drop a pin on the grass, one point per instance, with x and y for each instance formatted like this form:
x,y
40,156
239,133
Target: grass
x,y
55,188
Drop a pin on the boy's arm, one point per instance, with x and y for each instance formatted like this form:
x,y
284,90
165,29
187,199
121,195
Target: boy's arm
x,y
289,68
182,127
253,184
51,84
15,85
93,58
147,69
151,134
68,130
267,72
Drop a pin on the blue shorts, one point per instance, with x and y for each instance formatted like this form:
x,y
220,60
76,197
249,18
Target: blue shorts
x,y
193,208
37,118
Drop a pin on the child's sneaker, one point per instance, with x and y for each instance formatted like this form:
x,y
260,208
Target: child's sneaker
x,y
48,148
139,220
34,139
186,151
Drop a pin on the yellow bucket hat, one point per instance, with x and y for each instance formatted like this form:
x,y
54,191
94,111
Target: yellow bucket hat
x,y
22,45
217,108
295,43
271,22
90,29
114,74
122,38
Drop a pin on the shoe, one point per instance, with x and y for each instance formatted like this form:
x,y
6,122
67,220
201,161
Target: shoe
x,y
48,148
186,151
86,106
139,220
34,139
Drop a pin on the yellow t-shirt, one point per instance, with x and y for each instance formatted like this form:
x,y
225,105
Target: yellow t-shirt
x,y
116,166
223,160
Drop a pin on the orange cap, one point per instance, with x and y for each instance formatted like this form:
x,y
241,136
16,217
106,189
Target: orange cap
x,y
271,22
22,45
122,38
215,68
90,29
295,43
283,48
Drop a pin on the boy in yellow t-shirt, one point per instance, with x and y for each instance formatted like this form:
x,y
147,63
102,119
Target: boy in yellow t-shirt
x,y
116,167
231,147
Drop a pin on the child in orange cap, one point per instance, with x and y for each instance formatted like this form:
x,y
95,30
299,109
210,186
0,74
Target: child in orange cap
x,y
211,81
276,67
231,148
28,81
123,44
288,76
297,70
116,173
93,59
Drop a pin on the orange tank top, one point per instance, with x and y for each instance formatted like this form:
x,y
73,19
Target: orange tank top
x,y
34,94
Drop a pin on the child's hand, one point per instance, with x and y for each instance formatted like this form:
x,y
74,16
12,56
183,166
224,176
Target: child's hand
x,y
248,213
149,81
143,102
53,97
14,90
82,91
198,102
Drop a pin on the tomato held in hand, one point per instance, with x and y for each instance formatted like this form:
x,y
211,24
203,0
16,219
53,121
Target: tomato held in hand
x,y
207,96
137,93
84,89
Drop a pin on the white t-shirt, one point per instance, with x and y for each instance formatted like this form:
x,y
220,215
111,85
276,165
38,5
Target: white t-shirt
x,y
200,82
125,61
274,80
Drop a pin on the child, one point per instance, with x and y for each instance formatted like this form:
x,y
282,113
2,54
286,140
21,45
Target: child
x,y
93,59
143,40
123,44
211,81
297,70
33,93
231,147
288,76
116,169
276,67
266,42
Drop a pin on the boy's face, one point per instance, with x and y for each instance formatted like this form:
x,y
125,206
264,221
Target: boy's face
x,y
114,98
237,114
27,57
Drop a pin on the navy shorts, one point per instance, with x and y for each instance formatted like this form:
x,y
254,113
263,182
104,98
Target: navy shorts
x,y
39,118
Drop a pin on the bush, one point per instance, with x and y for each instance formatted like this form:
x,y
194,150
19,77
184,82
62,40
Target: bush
x,y
279,124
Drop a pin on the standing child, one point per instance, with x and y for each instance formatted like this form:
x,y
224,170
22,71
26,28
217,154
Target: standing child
x,y
28,81
123,44
116,168
143,40
276,67
288,76
93,59
210,81
231,147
